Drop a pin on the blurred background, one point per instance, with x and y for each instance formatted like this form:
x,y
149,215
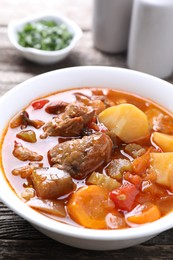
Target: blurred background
x,y
15,69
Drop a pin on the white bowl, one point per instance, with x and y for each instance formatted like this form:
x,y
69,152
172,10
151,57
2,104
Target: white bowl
x,y
40,56
122,79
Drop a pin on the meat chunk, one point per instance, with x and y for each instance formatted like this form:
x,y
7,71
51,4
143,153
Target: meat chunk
x,y
80,157
107,102
26,171
51,182
96,103
77,109
56,107
25,154
82,98
67,127
71,122
98,106
159,121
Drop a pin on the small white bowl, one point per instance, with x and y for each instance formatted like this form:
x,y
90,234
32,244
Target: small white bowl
x,y
41,56
122,79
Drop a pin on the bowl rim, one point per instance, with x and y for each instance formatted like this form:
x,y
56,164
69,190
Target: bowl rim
x,y
57,227
50,15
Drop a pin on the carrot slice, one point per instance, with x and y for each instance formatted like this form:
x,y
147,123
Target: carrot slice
x,y
141,163
89,207
144,213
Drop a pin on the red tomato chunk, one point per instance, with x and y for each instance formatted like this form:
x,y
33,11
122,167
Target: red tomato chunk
x,y
39,103
124,196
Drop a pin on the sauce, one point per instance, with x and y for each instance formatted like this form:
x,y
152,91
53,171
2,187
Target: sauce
x,y
149,194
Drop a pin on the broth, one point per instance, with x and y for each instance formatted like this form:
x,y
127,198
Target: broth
x,y
130,167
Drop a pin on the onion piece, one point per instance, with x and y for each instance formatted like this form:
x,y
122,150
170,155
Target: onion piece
x,y
54,207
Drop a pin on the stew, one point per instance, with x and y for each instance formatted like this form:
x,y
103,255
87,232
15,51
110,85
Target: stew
x,y
92,157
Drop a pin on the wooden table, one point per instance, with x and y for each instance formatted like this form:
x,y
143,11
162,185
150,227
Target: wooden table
x,y
18,239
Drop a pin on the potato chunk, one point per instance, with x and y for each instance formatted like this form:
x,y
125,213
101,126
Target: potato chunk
x,y
162,164
164,141
127,121
51,183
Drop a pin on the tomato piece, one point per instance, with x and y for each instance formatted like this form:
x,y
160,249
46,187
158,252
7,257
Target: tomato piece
x,y
124,196
38,104
96,127
93,126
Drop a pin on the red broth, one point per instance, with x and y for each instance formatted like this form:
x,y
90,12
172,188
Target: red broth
x,y
61,160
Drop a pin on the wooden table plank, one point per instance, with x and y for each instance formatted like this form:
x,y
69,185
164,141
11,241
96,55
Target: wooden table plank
x,y
49,249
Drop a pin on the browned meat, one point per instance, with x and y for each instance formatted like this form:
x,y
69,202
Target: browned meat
x,y
77,109
90,101
51,182
98,106
159,121
66,127
113,137
56,107
26,171
107,102
70,123
25,154
82,98
80,157
96,103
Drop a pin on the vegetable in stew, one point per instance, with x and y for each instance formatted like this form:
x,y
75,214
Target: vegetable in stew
x,y
92,157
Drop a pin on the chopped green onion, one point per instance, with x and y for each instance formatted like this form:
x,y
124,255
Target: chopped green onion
x,y
45,35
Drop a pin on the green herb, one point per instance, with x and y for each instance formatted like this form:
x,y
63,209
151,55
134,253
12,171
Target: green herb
x,y
45,35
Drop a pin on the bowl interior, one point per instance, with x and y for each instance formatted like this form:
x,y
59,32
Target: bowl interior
x,y
118,78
